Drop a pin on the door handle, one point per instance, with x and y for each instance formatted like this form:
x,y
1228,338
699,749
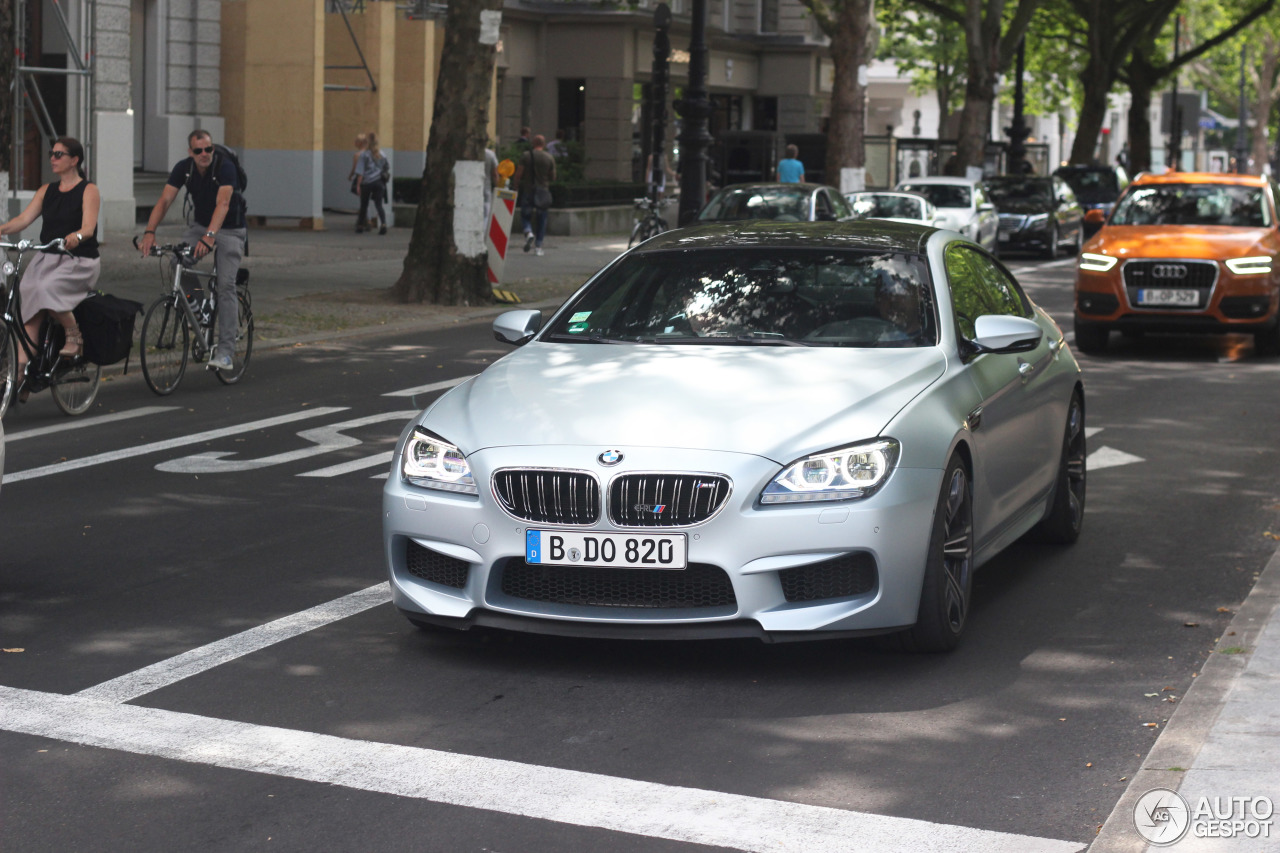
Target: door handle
x,y
1026,368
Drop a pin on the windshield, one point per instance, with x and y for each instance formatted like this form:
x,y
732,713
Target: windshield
x,y
1039,191
869,205
759,297
1193,204
779,204
1095,186
942,195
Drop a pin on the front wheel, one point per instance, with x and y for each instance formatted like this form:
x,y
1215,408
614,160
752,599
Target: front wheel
x,y
1062,524
8,367
244,343
948,573
76,388
1051,253
164,346
1091,339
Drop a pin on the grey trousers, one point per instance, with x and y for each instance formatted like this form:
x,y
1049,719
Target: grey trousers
x,y
228,254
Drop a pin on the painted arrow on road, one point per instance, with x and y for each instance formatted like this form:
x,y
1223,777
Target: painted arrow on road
x,y
1107,457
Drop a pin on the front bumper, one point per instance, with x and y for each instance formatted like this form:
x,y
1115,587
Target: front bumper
x,y
760,552
1243,304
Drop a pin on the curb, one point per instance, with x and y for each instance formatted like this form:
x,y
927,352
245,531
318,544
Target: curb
x,y
1193,719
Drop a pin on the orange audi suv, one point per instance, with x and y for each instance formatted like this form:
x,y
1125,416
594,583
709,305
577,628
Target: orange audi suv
x,y
1183,252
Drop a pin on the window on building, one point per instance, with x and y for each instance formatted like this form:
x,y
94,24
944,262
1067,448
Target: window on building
x,y
726,113
764,113
526,102
768,16
571,111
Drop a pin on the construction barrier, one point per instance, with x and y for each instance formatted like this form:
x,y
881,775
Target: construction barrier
x,y
498,238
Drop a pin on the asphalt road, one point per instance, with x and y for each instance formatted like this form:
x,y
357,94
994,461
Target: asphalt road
x,y
191,519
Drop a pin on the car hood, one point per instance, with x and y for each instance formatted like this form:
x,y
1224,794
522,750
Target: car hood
x,y
777,402
1176,241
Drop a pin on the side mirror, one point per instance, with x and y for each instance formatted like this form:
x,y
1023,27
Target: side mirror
x,y
1001,333
1095,217
517,327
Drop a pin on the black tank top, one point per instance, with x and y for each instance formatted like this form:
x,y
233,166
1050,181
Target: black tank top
x,y
63,214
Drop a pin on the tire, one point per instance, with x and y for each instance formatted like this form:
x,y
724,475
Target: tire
x,y
1052,253
164,346
75,389
642,231
1268,342
1061,524
948,574
8,368
244,343
1091,339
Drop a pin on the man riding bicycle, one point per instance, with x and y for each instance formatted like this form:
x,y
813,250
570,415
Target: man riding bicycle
x,y
218,225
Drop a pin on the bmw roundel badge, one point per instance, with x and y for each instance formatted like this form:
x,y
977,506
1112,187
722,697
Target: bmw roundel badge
x,y
610,458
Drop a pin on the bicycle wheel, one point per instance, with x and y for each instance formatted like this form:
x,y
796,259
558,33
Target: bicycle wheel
x,y
244,343
164,345
8,367
643,231
75,389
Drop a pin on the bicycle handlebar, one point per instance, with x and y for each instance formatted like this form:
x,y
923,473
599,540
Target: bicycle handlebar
x,y
30,245
169,248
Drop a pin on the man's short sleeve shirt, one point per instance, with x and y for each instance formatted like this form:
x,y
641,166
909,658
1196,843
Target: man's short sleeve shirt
x,y
204,189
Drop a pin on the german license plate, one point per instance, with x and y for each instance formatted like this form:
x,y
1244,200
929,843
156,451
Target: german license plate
x,y
1168,296
612,550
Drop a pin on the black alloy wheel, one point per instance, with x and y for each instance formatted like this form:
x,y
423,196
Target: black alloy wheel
x,y
1051,252
1062,524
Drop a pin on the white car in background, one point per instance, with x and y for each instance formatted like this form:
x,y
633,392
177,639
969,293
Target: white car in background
x,y
908,208
963,205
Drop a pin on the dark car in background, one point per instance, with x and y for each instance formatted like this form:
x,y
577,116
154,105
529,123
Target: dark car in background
x,y
1096,188
1037,214
778,202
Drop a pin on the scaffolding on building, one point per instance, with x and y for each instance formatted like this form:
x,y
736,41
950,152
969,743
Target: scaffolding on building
x,y
29,102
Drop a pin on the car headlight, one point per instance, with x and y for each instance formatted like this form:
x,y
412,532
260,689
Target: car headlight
x,y
433,463
1039,222
1260,265
850,472
1097,263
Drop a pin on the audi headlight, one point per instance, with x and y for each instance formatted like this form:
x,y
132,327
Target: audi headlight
x,y
1097,263
1260,265
433,463
850,472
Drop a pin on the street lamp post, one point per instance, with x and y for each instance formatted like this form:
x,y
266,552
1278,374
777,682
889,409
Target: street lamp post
x,y
1242,150
1018,130
1175,120
695,109
658,97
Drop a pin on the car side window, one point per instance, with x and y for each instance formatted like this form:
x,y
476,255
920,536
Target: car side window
x,y
979,197
822,206
979,286
1066,195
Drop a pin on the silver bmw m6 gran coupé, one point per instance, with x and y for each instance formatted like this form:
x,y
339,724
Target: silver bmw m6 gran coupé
x,y
773,430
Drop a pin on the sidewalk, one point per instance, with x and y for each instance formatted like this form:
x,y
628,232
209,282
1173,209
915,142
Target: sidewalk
x,y
1222,742
309,285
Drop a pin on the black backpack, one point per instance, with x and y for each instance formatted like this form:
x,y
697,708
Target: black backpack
x,y
220,152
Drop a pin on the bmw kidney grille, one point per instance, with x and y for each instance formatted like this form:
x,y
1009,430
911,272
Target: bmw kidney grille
x,y
665,500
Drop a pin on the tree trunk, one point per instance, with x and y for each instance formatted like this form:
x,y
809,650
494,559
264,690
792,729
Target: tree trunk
x,y
6,99
1265,97
850,51
975,118
1139,122
1097,80
446,263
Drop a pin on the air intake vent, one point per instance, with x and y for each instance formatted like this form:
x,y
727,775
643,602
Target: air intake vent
x,y
699,586
843,577
548,496
434,567
666,500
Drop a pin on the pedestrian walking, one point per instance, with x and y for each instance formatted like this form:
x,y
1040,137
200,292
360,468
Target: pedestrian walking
x,y
525,142
533,177
361,143
790,169
214,183
372,173
557,146
54,282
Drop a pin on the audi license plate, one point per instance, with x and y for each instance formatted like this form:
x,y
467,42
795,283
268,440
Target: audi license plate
x,y
612,550
1168,296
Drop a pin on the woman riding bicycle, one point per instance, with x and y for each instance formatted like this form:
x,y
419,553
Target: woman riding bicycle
x,y
55,282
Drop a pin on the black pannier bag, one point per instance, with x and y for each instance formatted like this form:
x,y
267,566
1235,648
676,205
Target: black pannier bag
x,y
106,323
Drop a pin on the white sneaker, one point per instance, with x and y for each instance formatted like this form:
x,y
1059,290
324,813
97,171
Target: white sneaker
x,y
221,362
528,242
538,251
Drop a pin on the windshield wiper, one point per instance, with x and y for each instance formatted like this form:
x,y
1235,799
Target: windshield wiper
x,y
591,339
744,339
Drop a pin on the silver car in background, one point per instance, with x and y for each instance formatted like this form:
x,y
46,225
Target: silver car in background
x,y
963,205
780,431
907,208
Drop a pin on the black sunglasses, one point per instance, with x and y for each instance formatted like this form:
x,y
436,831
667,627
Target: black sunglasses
x,y
208,150
58,155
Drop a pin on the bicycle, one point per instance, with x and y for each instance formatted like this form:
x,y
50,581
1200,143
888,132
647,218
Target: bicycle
x,y
650,223
186,320
72,381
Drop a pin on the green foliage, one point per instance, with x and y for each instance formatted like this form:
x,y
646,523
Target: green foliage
x,y
931,50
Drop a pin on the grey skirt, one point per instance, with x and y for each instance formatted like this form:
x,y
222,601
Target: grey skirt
x,y
56,283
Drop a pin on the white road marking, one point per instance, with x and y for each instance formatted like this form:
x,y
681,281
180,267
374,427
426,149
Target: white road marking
x,y
545,793
168,444
1109,457
81,423
427,389
148,679
1090,432
374,461
325,440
